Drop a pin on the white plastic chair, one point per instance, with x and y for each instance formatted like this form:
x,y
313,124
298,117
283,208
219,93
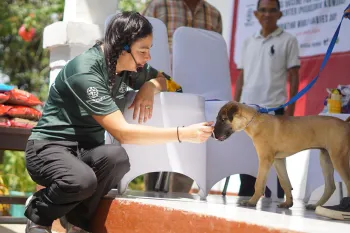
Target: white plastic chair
x,y
201,66
200,63
169,110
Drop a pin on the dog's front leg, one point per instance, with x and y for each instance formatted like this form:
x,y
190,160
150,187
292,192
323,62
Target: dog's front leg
x,y
265,164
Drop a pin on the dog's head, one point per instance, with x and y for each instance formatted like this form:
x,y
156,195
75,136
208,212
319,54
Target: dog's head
x,y
229,120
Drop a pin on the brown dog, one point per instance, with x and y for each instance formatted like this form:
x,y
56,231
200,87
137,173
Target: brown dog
x,y
277,137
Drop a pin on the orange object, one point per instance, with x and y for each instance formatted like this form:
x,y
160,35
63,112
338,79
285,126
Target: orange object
x,y
20,97
24,112
3,97
27,35
4,109
117,215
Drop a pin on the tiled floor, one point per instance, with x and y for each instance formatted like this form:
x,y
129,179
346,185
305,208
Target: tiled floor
x,y
266,213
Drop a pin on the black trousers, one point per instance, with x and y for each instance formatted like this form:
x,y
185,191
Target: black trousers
x,y
248,181
75,178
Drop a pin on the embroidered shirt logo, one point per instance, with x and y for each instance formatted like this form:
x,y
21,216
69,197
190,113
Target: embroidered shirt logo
x,y
122,88
92,92
272,50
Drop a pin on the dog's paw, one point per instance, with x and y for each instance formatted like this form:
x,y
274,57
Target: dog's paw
x,y
247,203
310,207
285,205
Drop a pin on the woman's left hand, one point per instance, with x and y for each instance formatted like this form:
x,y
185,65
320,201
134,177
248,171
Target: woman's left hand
x,y
143,102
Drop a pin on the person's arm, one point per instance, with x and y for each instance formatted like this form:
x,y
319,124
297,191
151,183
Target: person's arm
x,y
94,99
150,82
239,86
159,83
293,65
293,75
127,133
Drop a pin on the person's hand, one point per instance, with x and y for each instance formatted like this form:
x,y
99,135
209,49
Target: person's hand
x,y
347,11
196,133
143,102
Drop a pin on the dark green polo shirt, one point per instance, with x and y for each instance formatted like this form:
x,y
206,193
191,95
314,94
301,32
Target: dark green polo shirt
x,y
81,90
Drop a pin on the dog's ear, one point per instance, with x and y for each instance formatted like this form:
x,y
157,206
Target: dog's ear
x,y
231,111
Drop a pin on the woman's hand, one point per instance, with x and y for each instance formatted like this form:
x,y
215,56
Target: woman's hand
x,y
143,102
196,133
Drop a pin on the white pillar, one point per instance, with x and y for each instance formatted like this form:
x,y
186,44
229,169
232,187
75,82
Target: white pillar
x,y
83,24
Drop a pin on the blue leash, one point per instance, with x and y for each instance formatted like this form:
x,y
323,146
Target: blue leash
x,y
308,87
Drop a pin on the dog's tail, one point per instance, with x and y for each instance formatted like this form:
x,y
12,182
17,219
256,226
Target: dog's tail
x,y
348,120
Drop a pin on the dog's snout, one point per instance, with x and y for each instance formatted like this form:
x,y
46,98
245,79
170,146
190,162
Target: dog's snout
x,y
222,138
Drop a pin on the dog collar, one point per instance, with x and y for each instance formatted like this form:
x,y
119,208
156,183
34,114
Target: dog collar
x,y
251,120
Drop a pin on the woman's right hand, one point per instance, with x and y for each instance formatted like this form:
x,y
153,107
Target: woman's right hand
x,y
196,133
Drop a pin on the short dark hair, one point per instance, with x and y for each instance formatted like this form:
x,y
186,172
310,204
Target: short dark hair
x,y
123,30
277,1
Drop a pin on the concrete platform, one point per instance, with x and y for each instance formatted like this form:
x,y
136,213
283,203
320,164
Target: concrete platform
x,y
151,212
156,212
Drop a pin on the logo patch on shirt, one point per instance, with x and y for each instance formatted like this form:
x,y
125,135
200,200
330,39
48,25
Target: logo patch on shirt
x,y
272,50
122,88
92,92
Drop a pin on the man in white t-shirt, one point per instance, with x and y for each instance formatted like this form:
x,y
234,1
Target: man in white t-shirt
x,y
268,59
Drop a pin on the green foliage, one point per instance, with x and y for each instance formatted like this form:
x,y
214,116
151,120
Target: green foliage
x,y
14,173
137,183
132,5
26,63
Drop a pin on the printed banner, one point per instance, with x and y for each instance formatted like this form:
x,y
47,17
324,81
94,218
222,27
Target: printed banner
x,y
313,22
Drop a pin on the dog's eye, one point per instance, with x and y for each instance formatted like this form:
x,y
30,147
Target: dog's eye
x,y
223,119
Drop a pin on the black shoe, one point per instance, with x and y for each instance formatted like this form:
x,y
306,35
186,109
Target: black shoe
x,y
73,229
35,228
340,212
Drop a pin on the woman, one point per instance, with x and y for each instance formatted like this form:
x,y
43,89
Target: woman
x,y
66,151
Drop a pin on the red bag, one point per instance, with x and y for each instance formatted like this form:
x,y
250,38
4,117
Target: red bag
x,y
22,123
3,97
4,122
20,97
24,113
4,109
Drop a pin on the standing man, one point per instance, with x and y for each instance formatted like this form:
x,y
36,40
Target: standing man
x,y
188,13
174,14
268,58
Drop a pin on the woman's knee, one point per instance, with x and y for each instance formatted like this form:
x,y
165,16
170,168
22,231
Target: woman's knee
x,y
73,187
116,157
83,182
